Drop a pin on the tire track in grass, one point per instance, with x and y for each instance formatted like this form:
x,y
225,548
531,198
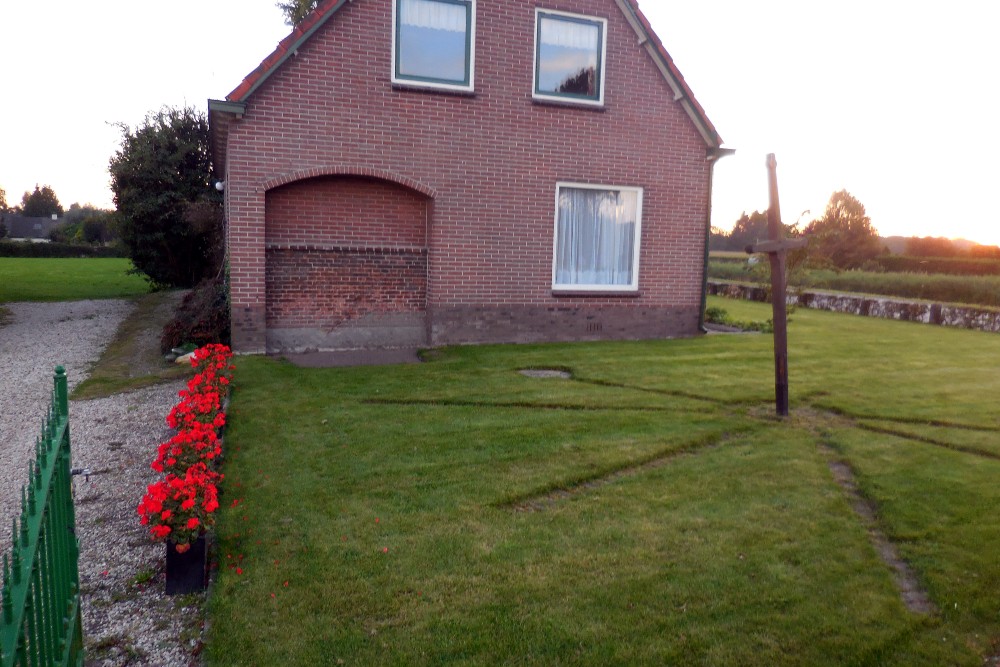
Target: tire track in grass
x,y
913,437
545,498
527,405
911,591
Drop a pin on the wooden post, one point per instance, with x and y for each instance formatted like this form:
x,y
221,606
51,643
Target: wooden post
x,y
777,248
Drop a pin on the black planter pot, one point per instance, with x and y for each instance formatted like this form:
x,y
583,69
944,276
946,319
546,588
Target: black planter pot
x,y
187,572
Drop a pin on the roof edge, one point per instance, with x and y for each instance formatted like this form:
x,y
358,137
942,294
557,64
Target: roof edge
x,y
682,92
227,106
286,48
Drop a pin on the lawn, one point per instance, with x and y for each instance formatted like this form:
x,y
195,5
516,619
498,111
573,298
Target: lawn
x,y
648,511
37,279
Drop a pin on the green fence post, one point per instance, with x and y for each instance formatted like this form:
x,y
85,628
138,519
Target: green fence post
x,y
40,621
62,395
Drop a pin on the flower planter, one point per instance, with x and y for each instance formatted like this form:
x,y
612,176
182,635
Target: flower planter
x,y
187,572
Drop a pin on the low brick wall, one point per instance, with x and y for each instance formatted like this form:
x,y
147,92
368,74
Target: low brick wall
x,y
964,317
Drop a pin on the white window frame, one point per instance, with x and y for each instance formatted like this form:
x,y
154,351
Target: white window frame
x,y
636,240
570,99
439,85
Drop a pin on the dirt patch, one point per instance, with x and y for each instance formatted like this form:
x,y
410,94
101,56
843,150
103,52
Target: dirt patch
x,y
546,373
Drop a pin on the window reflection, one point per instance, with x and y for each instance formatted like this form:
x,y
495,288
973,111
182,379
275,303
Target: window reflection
x,y
433,40
568,57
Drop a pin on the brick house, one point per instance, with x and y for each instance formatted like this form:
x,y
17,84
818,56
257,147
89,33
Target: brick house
x,y
414,172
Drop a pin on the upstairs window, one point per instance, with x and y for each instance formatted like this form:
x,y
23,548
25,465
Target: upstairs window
x,y
569,57
597,231
434,43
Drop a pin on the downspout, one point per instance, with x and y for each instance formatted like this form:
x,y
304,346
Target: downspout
x,y
713,157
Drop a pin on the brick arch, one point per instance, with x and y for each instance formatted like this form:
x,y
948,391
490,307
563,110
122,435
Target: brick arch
x,y
345,261
344,170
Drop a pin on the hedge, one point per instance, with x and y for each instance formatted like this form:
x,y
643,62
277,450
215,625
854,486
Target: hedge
x,y
952,266
28,249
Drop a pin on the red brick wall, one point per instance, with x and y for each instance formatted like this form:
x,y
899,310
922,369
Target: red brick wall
x,y
491,161
330,287
345,211
341,250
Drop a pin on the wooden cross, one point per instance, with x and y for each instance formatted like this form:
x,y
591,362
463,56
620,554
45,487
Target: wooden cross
x,y
777,248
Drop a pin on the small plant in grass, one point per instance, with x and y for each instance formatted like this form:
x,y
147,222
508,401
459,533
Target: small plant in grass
x,y
182,506
144,576
717,315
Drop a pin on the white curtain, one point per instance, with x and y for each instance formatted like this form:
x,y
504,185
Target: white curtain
x,y
569,34
596,237
437,15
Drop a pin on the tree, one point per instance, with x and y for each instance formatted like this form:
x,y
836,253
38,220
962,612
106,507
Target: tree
x,y
931,247
296,10
581,83
984,252
42,203
85,224
748,229
3,201
844,237
162,183
718,239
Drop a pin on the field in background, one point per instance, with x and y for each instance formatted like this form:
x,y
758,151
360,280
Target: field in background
x,y
650,510
962,289
36,279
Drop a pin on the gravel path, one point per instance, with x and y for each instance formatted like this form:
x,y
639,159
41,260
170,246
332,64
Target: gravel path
x,y
127,619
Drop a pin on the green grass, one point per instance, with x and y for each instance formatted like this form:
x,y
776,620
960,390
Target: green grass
x,y
650,511
35,279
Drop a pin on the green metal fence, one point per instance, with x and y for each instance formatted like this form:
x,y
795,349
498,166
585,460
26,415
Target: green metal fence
x,y
40,623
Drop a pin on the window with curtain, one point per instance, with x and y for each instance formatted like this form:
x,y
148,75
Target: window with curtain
x,y
597,232
434,43
569,57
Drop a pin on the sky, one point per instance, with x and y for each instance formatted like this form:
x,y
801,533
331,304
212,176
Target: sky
x,y
895,101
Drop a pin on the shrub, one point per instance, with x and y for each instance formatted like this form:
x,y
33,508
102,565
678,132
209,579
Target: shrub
x,y
203,317
721,316
169,215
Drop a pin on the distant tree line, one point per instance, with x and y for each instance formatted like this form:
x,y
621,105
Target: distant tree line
x,y
843,238
42,203
80,225
928,246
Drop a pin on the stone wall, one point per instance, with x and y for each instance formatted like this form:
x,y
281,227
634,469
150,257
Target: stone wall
x,y
950,315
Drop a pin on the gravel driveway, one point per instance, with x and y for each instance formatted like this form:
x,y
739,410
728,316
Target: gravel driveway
x,y
127,619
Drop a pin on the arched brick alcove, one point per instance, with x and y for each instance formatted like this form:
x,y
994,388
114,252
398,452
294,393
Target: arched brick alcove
x,y
346,264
